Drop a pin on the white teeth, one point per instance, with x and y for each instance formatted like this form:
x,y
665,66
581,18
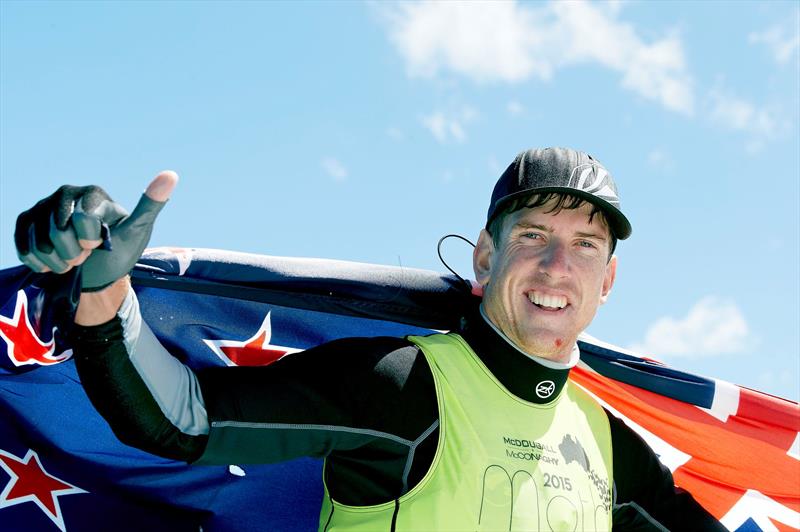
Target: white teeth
x,y
545,300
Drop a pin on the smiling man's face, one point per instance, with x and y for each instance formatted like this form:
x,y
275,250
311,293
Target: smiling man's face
x,y
546,278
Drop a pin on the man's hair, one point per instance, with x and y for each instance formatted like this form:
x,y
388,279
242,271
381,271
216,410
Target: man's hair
x,y
562,201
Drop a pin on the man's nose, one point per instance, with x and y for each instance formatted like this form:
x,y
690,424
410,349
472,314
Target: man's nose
x,y
555,260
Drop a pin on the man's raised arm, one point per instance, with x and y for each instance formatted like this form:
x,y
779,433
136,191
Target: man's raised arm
x,y
149,398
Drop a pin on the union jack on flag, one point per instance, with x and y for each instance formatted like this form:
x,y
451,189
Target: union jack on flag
x,y
736,450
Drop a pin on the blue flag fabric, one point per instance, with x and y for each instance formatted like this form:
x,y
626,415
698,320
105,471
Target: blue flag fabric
x,y
80,477
62,468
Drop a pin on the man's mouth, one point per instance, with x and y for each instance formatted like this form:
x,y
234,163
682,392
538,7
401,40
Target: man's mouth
x,y
547,301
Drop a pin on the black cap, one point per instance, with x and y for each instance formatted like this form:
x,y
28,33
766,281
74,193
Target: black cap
x,y
545,170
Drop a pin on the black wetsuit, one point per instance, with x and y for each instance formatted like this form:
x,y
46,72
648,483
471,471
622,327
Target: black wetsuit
x,y
381,390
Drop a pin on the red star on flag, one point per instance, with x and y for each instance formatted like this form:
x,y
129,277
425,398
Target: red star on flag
x,y
31,483
24,346
255,351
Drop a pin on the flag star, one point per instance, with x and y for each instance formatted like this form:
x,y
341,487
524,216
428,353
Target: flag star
x,y
24,346
31,483
255,351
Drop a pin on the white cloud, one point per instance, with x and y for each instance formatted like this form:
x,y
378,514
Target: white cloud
x,y
334,168
777,377
711,327
395,134
437,125
782,40
661,161
449,126
510,42
754,146
515,108
495,168
614,6
480,40
775,243
738,114
657,158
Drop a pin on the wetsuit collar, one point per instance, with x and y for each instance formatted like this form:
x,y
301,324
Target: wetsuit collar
x,y
529,377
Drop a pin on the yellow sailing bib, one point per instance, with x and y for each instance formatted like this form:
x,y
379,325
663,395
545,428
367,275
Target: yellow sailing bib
x,y
501,463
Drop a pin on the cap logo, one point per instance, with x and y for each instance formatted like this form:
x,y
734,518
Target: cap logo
x,y
595,180
545,389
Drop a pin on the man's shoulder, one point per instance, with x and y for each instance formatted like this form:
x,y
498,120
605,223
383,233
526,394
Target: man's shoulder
x,y
366,346
378,355
393,362
623,434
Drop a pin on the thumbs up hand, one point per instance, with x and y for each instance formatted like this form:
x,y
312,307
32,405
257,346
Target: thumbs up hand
x,y
83,225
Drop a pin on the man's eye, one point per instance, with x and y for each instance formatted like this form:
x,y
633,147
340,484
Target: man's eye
x,y
586,244
533,236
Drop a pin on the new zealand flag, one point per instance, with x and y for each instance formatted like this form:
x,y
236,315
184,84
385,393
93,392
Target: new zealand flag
x,y
736,450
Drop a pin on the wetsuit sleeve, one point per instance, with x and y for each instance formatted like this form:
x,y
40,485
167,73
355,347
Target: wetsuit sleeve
x,y
645,495
330,398
151,400
340,396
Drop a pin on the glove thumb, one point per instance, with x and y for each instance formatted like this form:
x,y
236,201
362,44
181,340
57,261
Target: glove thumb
x,y
161,187
128,237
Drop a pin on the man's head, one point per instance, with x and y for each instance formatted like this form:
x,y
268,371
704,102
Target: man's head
x,y
545,258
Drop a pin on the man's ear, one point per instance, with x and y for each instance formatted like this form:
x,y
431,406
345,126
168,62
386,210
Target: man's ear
x,y
608,280
482,257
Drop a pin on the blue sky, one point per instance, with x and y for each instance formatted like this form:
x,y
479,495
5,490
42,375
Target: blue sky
x,y
365,131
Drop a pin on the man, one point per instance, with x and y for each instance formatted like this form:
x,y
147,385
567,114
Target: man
x,y
478,429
